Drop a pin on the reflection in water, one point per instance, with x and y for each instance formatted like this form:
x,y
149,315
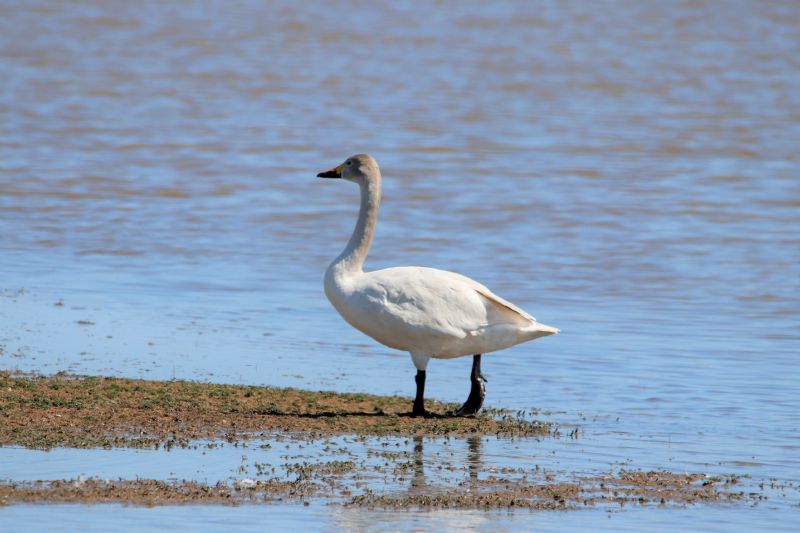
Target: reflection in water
x,y
418,480
474,465
454,466
474,461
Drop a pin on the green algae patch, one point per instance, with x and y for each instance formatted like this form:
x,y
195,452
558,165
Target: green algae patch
x,y
86,412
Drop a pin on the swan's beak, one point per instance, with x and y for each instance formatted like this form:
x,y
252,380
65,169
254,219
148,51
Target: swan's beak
x,y
333,173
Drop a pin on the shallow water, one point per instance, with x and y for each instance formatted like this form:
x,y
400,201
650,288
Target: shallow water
x,y
438,464
320,518
627,172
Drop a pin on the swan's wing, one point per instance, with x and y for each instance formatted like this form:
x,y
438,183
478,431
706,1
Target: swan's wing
x,y
501,312
417,306
502,304
442,301
435,312
422,301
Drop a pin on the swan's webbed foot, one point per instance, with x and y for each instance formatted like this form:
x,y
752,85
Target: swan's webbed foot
x,y
478,391
475,400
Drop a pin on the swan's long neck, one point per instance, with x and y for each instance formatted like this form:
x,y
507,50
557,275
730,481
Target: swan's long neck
x,y
351,260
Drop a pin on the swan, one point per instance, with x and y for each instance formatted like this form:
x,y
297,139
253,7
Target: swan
x,y
427,312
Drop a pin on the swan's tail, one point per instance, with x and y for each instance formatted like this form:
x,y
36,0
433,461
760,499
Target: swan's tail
x,y
536,330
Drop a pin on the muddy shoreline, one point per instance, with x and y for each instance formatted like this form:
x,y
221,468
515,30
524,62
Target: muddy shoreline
x,y
87,412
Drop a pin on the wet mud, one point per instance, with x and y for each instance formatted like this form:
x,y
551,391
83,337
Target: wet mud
x,y
325,484
86,412
620,489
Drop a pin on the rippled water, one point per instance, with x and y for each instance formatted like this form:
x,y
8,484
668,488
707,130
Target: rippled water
x,y
626,171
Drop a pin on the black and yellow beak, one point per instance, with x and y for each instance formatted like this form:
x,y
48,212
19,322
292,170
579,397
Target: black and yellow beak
x,y
333,173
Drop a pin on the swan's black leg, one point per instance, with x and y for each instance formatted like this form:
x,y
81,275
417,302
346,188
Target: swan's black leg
x,y
419,405
478,391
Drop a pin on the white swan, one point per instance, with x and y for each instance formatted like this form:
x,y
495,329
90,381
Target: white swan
x,y
425,311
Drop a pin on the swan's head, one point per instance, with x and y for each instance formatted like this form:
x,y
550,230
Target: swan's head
x,y
359,168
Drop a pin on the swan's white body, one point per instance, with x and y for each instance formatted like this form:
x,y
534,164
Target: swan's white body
x,y
425,311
